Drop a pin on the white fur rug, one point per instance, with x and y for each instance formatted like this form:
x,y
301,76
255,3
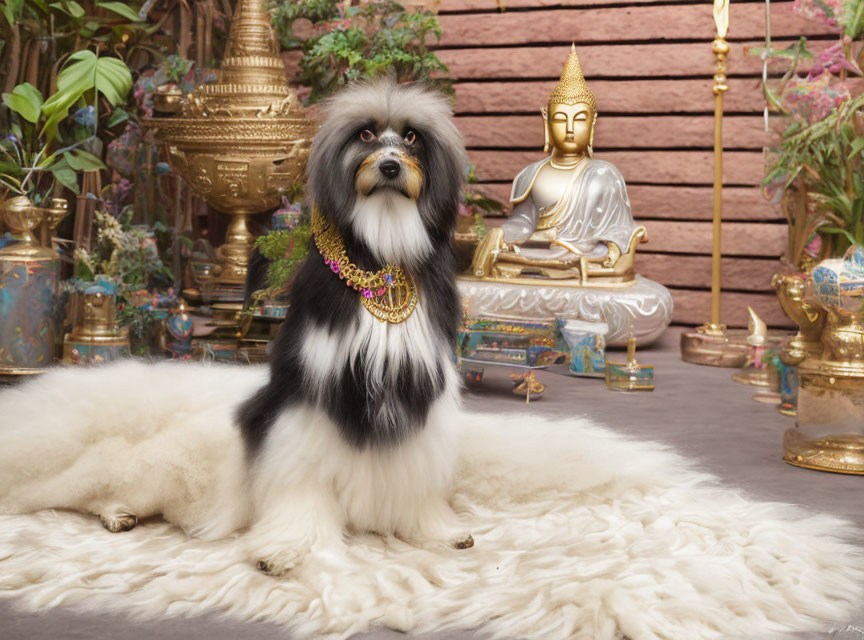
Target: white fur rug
x,y
579,533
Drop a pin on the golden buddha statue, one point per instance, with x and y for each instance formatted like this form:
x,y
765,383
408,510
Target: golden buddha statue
x,y
571,216
570,228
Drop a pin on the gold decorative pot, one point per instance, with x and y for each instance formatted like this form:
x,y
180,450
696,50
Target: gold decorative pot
x,y
243,140
829,433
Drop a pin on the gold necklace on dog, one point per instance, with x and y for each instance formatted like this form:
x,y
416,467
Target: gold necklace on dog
x,y
389,294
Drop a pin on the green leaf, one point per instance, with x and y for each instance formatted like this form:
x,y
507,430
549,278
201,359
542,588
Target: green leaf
x,y
70,8
113,79
65,175
82,271
83,161
30,92
856,147
10,16
117,116
25,100
21,106
122,9
84,71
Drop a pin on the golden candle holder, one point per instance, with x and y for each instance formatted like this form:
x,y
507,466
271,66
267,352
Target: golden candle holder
x,y
630,375
241,141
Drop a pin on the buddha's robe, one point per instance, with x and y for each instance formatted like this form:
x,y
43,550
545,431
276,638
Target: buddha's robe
x,y
593,209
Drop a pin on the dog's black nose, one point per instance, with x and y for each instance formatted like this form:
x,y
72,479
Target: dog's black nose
x,y
389,168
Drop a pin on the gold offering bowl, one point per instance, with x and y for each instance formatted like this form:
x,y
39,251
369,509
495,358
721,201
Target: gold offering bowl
x,y
240,166
22,217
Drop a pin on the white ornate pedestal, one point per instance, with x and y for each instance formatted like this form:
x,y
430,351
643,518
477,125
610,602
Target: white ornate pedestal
x,y
643,309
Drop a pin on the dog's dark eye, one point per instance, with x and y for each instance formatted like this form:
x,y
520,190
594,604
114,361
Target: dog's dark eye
x,y
367,136
410,137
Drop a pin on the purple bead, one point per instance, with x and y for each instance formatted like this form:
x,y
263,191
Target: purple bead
x,y
334,267
367,293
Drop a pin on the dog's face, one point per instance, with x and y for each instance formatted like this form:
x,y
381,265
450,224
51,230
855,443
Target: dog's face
x,y
390,161
386,167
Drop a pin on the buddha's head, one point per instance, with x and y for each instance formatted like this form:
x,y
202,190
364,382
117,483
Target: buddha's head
x,y
571,112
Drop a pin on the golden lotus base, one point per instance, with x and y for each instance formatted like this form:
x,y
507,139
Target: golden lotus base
x,y
842,453
723,348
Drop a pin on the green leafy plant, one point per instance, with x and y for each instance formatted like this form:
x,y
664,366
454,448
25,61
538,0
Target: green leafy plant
x,y
827,158
818,165
348,42
34,154
285,249
130,254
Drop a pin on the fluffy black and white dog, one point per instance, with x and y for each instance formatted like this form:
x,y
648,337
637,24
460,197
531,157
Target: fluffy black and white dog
x,y
355,425
385,169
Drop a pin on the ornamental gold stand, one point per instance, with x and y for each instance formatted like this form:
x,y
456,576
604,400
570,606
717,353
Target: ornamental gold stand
x,y
712,343
239,142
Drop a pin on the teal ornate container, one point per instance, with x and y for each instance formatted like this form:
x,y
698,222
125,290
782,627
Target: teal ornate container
x,y
29,276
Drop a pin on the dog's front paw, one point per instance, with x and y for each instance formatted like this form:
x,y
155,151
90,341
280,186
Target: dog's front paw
x,y
465,543
278,564
119,522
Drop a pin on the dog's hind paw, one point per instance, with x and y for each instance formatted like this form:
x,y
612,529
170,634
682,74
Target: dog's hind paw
x,y
278,564
466,543
119,522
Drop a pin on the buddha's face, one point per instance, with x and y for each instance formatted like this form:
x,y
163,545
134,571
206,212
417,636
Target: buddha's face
x,y
570,126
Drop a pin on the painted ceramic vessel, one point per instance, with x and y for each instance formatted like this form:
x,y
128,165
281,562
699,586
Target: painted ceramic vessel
x,y
839,284
29,276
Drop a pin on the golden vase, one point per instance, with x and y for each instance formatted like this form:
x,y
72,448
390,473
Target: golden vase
x,y
241,141
829,433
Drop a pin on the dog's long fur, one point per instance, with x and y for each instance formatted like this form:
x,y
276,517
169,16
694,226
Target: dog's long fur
x,y
356,425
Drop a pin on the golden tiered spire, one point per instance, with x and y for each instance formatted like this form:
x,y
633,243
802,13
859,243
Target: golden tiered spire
x,y
572,88
252,74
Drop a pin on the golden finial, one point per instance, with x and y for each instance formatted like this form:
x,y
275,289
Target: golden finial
x,y
572,88
756,328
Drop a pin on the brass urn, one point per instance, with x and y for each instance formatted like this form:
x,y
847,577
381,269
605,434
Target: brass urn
x,y
242,140
829,431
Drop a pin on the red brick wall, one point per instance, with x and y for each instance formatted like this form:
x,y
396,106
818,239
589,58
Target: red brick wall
x,y
650,66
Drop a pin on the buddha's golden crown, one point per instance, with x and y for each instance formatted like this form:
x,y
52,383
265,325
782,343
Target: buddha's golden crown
x,y
572,88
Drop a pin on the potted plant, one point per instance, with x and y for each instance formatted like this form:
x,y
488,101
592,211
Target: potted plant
x,y
35,154
817,171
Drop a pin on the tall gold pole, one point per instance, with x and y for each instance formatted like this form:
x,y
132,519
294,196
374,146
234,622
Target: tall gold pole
x,y
710,343
721,51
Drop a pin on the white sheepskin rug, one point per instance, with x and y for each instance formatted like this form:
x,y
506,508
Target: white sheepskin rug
x,y
579,533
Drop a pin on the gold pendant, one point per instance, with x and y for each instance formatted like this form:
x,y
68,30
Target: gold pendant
x,y
397,304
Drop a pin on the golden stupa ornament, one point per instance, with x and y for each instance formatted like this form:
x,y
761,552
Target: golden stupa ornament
x,y
572,88
242,140
389,294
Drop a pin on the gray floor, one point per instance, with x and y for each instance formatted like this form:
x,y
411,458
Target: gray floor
x,y
698,410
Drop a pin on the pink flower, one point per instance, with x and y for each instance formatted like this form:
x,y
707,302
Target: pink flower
x,y
814,99
833,60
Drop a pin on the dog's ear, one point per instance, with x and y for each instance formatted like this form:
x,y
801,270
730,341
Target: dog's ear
x,y
330,180
442,182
